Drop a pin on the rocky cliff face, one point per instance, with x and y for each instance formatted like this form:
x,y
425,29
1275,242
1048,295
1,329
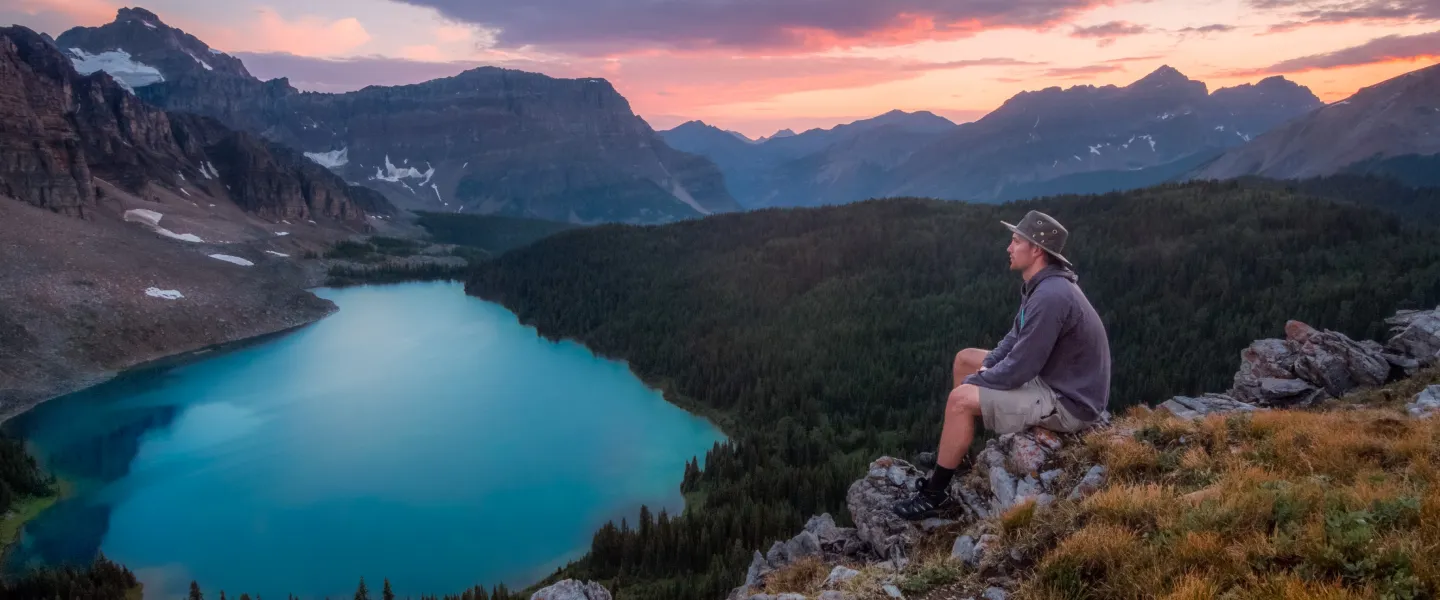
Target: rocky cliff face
x,y
1395,118
1040,468
488,140
62,130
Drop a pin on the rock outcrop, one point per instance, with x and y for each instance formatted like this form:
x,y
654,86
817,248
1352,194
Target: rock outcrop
x,y
487,140
1014,469
571,589
1307,366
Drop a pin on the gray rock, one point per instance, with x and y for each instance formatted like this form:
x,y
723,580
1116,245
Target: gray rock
x,y
776,555
757,571
790,596
1307,366
1027,488
929,525
835,595
571,589
894,565
1426,404
1334,362
837,541
925,460
1186,407
840,574
995,593
1048,478
1002,486
1416,334
892,591
801,546
983,548
963,549
870,499
1093,480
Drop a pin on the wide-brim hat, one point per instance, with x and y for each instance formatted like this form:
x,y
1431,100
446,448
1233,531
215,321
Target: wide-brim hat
x,y
1044,231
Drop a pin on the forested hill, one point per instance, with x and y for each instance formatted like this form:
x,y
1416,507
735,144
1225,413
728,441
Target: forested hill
x,y
823,338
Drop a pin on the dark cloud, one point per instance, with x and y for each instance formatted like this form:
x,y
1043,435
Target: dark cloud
x,y
600,26
1112,29
1339,11
1205,29
1385,49
1080,72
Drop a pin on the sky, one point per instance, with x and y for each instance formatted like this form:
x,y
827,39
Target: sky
x,y
757,66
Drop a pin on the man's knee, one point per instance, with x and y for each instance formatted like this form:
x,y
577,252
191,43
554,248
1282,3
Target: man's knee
x,y
970,359
964,401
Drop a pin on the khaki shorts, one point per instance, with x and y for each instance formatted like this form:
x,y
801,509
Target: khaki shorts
x,y
1013,411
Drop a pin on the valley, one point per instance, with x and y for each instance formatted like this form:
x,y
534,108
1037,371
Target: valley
x,y
468,332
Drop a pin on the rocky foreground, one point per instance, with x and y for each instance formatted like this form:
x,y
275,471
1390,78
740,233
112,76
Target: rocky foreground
x,y
1036,503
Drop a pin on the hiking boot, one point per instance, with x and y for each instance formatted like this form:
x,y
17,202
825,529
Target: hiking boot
x,y
925,504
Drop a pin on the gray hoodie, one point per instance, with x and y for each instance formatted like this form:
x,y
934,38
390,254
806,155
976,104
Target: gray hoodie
x,y
1058,337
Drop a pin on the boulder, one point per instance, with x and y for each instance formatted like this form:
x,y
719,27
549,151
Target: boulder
x,y
870,499
834,595
1307,366
840,574
835,541
571,589
995,593
1416,334
1426,404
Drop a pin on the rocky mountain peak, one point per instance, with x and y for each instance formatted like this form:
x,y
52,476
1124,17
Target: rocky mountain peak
x,y
137,14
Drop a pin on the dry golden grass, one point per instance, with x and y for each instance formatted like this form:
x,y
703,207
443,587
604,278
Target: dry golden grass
x,y
805,576
1343,503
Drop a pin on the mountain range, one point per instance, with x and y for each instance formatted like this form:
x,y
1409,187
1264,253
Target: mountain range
x,y
1381,128
487,140
1052,140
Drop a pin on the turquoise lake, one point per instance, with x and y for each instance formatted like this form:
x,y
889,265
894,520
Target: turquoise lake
x,y
418,434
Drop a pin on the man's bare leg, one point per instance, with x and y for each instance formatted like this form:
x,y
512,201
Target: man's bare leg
x,y
961,410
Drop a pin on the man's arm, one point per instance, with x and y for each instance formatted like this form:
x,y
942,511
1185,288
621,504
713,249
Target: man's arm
x,y
1044,317
1001,349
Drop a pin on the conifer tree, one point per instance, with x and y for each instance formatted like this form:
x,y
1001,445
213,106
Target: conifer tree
x,y
387,594
195,591
361,593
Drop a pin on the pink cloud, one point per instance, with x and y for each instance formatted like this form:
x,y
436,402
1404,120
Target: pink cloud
x,y
1391,48
304,36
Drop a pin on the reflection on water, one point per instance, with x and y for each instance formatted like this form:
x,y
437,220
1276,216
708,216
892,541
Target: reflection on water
x,y
418,434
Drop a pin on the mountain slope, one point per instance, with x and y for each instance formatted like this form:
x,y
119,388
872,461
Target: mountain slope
x,y
1034,137
819,166
487,140
822,338
1393,118
128,234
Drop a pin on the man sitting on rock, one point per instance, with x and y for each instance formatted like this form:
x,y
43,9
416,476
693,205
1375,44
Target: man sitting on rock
x,y
1052,369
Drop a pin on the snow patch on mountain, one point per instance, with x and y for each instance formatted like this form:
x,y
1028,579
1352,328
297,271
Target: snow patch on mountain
x,y
197,59
394,174
234,260
118,63
331,159
155,292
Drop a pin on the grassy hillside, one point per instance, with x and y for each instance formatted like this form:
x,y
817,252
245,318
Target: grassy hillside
x,y
823,338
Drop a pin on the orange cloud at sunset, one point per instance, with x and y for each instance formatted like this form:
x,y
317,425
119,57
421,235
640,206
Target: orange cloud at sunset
x,y
304,36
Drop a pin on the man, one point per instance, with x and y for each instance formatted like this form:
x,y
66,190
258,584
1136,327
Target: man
x,y
1052,369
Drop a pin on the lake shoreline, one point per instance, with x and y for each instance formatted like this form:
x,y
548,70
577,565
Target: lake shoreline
x,y
474,338
164,361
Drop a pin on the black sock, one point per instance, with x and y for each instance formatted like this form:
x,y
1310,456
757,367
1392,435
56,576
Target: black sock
x,y
939,480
